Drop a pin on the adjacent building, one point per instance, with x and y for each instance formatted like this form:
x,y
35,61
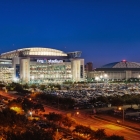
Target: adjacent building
x,y
6,71
89,66
117,71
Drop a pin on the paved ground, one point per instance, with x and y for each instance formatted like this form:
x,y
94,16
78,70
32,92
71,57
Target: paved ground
x,y
114,119
110,128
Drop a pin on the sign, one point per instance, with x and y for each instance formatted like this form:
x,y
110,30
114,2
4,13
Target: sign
x,y
49,61
41,61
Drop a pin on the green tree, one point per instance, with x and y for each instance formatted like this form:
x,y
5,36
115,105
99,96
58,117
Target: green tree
x,y
83,130
27,105
33,86
67,122
115,137
2,86
116,101
54,117
25,86
32,133
100,134
102,99
42,87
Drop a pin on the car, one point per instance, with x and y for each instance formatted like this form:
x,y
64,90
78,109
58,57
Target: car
x,y
118,121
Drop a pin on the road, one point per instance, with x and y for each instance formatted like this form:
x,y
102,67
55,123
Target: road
x,y
110,128
94,123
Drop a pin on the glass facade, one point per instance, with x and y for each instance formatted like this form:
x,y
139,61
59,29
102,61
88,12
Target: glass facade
x,y
6,74
47,73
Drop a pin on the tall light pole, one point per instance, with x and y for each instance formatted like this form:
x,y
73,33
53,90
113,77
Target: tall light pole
x,y
122,108
31,113
42,77
97,79
105,77
32,77
58,100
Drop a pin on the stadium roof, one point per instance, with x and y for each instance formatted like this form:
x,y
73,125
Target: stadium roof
x,y
122,64
33,51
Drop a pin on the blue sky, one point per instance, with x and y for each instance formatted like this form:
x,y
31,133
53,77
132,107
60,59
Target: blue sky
x,y
104,30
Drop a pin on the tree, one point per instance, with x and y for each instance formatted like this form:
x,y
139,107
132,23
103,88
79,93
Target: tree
x,y
18,87
25,86
27,105
32,133
9,118
33,86
42,87
130,101
54,117
102,99
100,134
83,130
2,86
136,100
117,101
67,122
115,137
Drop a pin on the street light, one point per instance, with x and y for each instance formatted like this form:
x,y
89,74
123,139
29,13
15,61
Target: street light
x,y
97,79
101,76
32,77
122,108
58,100
105,77
77,112
31,113
42,77
16,79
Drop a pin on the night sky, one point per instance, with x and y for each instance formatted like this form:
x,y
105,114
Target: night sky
x,y
104,30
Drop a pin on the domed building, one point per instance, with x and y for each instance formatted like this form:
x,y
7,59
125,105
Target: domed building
x,y
121,70
117,71
122,64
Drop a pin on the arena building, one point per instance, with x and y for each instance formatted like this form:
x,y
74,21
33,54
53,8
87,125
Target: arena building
x,y
44,65
117,71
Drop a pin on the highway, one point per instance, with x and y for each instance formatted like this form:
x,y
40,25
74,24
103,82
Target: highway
x,y
94,123
110,128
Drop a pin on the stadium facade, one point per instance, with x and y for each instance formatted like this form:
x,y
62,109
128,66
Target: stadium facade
x,y
117,71
41,65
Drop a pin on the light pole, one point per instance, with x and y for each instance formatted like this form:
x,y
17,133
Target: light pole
x,y
97,79
122,108
77,112
58,100
105,77
31,113
42,77
32,77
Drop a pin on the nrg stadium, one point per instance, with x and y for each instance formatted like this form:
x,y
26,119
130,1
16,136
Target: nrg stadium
x,y
41,65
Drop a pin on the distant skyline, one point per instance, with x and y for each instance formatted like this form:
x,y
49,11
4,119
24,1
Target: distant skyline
x,y
104,30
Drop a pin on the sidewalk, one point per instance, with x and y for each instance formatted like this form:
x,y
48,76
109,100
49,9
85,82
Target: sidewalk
x,y
133,125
